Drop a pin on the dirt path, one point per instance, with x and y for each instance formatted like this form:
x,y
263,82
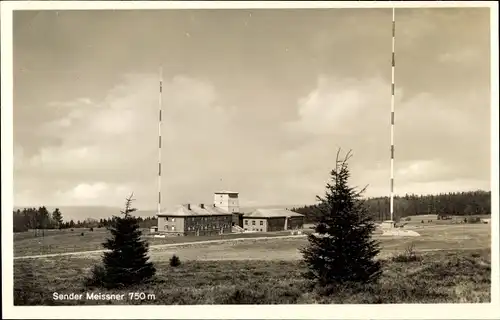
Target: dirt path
x,y
158,246
225,249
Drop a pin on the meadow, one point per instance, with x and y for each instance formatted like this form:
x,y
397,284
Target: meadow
x,y
453,265
436,277
66,240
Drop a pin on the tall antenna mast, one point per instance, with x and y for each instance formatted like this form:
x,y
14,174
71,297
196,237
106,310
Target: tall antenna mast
x,y
392,111
159,140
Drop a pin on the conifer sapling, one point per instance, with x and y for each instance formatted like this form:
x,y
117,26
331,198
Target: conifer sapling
x,y
126,263
342,249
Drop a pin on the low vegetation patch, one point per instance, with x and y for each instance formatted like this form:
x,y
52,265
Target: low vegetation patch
x,y
175,261
408,255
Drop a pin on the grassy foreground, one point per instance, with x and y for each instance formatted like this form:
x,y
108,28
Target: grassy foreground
x,y
437,277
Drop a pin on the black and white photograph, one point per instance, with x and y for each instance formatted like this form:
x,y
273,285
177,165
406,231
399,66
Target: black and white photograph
x,y
263,156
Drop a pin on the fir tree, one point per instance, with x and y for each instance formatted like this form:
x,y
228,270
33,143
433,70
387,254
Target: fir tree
x,y
57,217
342,249
126,263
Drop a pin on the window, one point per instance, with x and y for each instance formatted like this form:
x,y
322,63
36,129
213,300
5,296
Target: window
x,y
173,228
246,222
173,219
253,223
166,218
261,223
166,227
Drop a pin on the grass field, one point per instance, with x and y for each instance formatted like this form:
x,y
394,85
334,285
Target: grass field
x,y
437,234
439,277
61,241
455,267
449,237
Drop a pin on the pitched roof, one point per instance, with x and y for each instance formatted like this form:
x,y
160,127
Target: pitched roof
x,y
271,213
225,192
195,210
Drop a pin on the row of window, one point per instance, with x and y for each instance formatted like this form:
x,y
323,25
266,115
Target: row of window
x,y
253,222
191,219
206,227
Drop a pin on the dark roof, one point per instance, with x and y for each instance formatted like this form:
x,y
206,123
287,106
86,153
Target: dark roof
x,y
271,213
194,210
225,192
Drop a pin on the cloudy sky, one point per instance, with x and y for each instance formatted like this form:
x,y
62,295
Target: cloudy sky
x,y
261,99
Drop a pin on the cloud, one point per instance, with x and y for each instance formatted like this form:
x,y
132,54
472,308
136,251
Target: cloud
x,y
72,103
115,142
464,55
97,193
111,146
437,138
336,106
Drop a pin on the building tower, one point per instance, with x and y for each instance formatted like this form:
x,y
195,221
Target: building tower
x,y
227,200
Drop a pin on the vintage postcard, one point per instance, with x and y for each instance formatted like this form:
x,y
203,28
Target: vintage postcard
x,y
250,160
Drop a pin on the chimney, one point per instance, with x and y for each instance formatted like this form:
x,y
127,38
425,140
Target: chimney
x,y
202,206
189,206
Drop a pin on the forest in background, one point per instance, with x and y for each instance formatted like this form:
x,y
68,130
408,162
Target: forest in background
x,y
446,204
40,218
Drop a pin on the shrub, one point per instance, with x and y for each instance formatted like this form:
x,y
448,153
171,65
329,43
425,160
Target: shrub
x,y
243,296
97,277
175,261
408,219
82,234
91,229
473,220
409,255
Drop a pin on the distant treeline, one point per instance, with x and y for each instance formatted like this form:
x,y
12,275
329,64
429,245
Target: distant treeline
x,y
40,218
444,205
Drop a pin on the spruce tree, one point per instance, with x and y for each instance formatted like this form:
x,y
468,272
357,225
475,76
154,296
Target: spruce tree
x,y
57,217
126,263
342,249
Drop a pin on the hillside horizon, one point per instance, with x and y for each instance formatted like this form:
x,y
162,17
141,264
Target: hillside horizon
x,y
102,212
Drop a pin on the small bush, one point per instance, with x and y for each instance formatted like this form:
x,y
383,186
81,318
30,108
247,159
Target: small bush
x,y
82,234
422,221
72,229
243,296
175,261
408,219
97,277
472,220
91,229
409,255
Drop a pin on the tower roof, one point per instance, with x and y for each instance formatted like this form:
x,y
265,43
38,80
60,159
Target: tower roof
x,y
225,192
